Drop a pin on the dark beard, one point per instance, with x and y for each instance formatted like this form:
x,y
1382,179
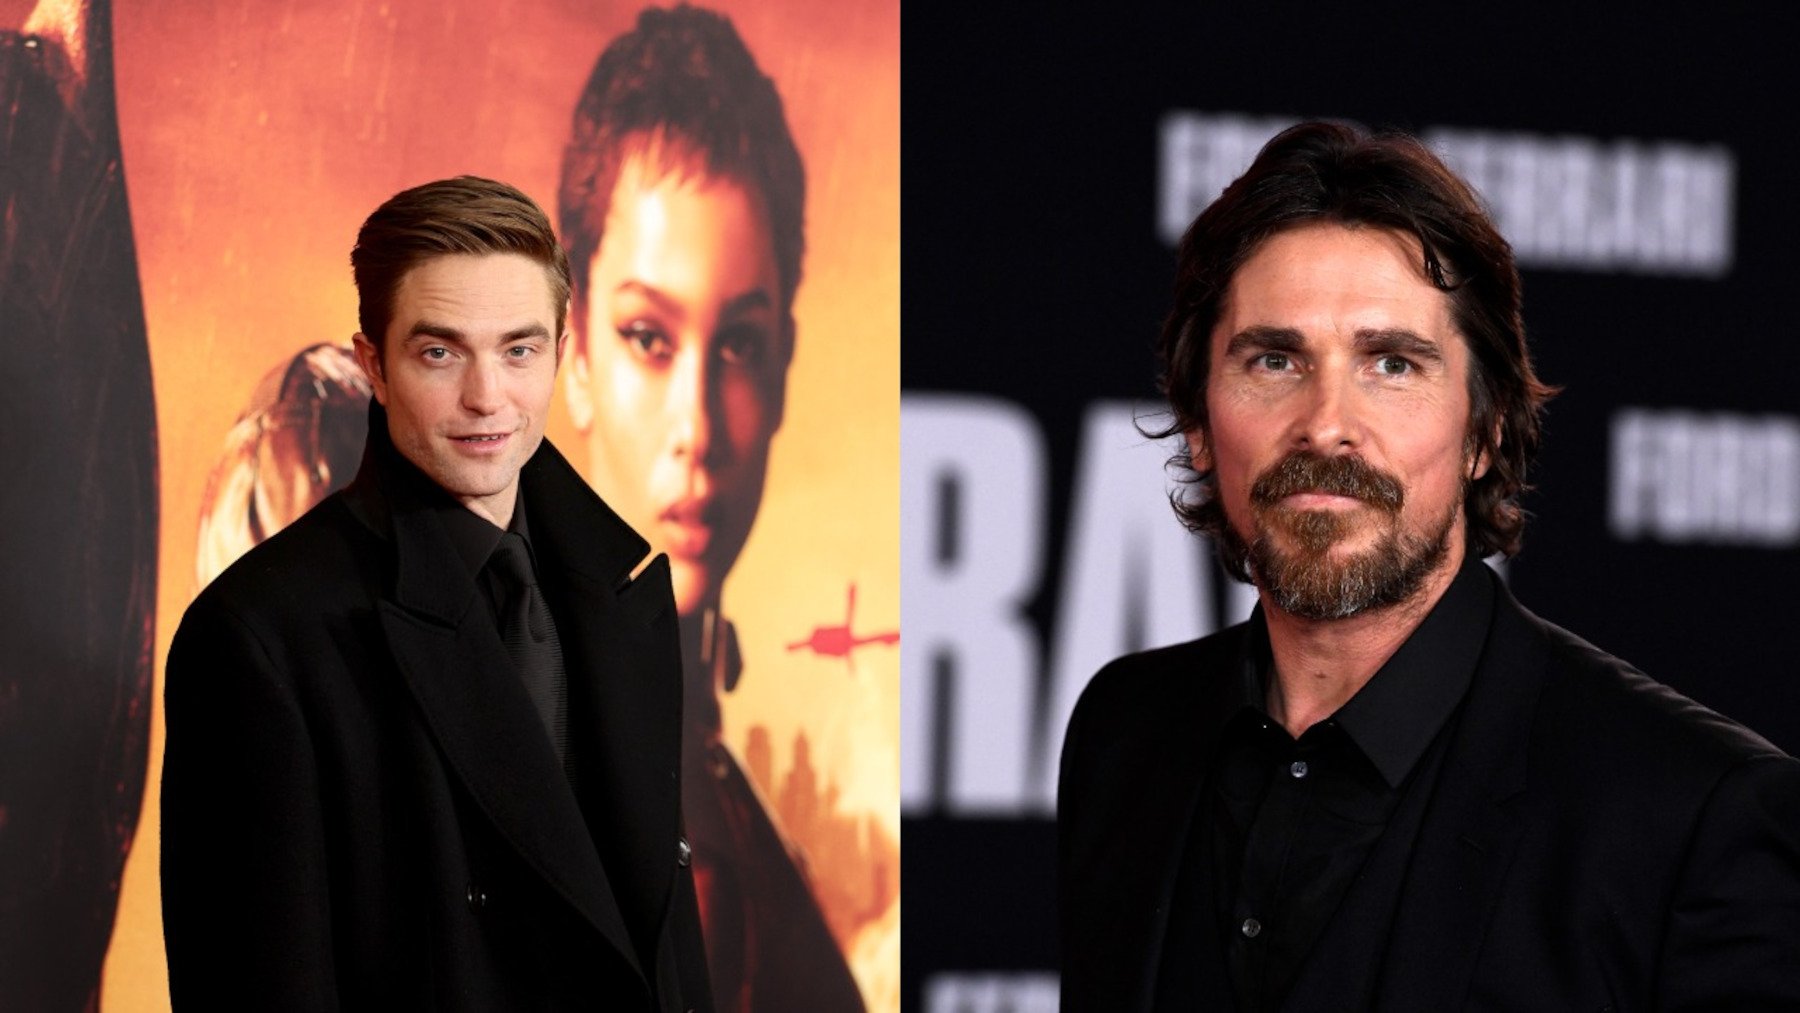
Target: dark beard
x,y
1304,580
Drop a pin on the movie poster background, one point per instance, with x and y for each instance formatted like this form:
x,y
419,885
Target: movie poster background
x,y
79,508
256,136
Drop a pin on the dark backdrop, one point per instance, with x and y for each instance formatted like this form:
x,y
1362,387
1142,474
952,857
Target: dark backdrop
x,y
1035,278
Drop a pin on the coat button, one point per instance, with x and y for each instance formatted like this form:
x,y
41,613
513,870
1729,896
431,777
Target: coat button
x,y
684,854
478,897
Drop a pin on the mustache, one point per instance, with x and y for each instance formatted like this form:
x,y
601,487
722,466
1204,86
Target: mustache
x,y
1302,472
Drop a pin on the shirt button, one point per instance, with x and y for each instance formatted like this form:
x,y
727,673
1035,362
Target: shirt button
x,y
684,854
1297,768
1251,928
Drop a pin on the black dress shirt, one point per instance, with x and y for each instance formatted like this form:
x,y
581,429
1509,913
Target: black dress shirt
x,y
475,538
1283,827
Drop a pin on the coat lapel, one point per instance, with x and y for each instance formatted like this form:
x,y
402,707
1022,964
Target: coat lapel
x,y
1182,774
625,691
1472,829
629,707
493,739
449,654
1131,843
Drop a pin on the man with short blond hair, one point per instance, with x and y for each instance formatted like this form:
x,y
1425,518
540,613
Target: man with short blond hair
x,y
424,743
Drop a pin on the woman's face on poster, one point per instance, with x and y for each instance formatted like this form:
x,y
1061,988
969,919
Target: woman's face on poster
x,y
679,379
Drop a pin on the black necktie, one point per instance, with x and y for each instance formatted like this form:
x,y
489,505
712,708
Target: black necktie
x,y
529,632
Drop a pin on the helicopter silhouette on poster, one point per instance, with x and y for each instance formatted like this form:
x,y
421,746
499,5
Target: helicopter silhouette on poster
x,y
840,641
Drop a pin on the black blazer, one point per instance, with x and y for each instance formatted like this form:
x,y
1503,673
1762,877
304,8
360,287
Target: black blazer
x,y
360,807
1595,841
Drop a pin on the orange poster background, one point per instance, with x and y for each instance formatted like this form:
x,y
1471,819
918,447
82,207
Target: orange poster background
x,y
257,136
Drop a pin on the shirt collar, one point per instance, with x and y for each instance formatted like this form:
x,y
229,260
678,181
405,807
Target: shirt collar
x,y
1394,717
473,536
1397,713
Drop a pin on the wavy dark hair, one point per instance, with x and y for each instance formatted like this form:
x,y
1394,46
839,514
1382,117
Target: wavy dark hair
x,y
1334,173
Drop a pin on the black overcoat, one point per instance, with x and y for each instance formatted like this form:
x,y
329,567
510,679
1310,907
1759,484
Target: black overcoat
x,y
1594,842
361,808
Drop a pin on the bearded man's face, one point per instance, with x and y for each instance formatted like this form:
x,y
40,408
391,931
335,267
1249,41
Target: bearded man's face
x,y
1338,421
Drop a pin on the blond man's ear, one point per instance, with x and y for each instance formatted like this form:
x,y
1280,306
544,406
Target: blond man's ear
x,y
369,358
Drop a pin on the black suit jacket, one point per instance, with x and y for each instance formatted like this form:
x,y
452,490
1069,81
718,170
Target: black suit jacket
x,y
1594,842
361,808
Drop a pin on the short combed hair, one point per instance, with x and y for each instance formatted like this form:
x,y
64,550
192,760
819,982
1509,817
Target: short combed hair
x,y
467,214
681,87
1332,173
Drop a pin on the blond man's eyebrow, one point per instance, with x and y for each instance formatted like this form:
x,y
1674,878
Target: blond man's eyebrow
x,y
452,335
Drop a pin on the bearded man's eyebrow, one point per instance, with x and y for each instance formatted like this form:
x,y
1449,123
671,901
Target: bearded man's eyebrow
x,y
1401,341
1264,339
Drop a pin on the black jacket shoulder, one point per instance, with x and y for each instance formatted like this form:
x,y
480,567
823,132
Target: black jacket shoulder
x,y
1141,687
1601,723
325,546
